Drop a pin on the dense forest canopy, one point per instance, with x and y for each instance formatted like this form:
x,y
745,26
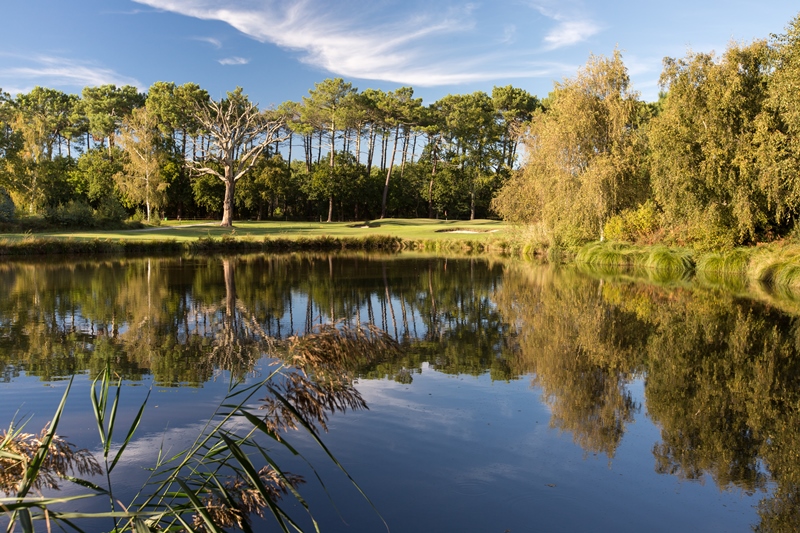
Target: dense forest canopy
x,y
337,154
714,163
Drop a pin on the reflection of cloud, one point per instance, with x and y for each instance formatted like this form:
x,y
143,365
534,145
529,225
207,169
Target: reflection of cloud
x,y
422,46
415,414
51,71
233,61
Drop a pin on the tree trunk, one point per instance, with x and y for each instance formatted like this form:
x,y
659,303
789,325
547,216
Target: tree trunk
x,y
472,203
227,204
389,173
434,160
430,189
406,138
331,164
370,147
358,145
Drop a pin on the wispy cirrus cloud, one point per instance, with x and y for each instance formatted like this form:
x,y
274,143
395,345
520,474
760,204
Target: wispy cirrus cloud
x,y
414,42
216,43
53,71
233,61
573,25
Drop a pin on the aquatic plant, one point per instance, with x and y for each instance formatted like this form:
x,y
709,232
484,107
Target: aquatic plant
x,y
216,482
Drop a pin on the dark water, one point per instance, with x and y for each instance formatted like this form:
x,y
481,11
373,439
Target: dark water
x,y
522,398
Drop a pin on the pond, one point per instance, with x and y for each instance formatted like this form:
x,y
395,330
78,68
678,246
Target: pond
x,y
487,395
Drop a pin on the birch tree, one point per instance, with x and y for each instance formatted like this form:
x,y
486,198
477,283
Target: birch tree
x,y
585,156
140,180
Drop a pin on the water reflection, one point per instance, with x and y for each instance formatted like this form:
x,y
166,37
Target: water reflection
x,y
722,376
183,320
721,372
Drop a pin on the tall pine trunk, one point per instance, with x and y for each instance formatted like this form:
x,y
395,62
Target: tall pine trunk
x,y
389,173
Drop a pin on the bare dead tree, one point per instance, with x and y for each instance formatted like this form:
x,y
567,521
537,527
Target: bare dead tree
x,y
237,133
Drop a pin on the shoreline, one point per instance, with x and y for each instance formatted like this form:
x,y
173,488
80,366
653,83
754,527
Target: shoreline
x,y
775,265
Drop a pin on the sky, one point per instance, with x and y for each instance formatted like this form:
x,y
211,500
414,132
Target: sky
x,y
278,49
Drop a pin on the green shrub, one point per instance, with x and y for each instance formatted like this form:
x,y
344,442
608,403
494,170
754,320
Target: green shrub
x,y
73,214
633,224
110,211
7,208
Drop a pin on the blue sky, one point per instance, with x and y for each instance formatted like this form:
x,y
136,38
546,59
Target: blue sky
x,y
277,49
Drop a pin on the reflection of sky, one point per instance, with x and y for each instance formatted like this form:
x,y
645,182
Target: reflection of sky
x,y
442,453
294,319
460,453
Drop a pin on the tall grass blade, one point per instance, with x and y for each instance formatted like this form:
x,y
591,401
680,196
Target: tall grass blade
x,y
131,431
198,506
308,427
36,464
111,420
87,484
139,526
98,409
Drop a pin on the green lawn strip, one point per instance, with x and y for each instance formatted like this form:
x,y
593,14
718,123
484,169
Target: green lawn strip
x,y
388,234
407,229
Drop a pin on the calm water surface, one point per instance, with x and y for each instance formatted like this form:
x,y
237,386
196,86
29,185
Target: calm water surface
x,y
523,398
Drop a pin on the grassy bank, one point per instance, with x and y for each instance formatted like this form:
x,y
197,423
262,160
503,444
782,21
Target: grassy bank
x,y
775,265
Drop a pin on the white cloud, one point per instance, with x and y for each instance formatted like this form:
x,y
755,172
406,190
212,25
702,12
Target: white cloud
x,y
233,61
509,34
216,43
570,32
573,26
50,71
374,41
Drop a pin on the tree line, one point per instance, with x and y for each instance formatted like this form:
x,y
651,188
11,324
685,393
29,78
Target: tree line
x,y
715,162
336,154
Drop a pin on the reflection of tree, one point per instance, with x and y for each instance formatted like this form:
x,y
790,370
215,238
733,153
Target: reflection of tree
x,y
581,350
722,375
322,369
723,383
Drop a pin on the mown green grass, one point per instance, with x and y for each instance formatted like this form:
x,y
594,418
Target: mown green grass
x,y
388,234
409,229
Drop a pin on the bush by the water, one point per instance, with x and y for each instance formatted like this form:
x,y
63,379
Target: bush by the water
x,y
633,225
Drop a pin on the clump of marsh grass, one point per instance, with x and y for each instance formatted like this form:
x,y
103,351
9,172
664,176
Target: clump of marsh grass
x,y
17,453
657,263
214,483
668,263
611,256
725,269
726,262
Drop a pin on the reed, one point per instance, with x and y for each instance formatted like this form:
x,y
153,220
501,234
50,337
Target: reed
x,y
216,482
